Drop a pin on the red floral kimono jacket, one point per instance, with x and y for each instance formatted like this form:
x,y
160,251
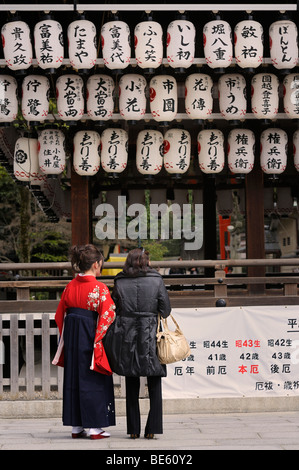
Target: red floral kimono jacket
x,y
88,293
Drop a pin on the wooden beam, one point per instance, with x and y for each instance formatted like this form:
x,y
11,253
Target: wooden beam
x,y
255,237
81,210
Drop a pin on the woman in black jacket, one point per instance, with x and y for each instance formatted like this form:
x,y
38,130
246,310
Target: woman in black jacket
x,y
139,295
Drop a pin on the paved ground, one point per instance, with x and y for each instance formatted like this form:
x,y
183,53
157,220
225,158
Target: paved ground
x,y
236,431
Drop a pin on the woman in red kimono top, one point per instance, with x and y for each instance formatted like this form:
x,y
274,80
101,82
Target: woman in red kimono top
x,y
84,314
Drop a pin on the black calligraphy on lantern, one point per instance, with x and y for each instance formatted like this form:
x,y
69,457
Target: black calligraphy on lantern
x,y
182,31
18,47
71,95
113,149
274,162
117,48
213,147
150,53
283,32
219,32
4,100
183,151
146,144
85,144
241,161
103,91
168,103
80,40
51,150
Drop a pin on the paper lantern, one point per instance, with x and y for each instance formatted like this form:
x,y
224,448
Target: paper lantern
x,y
210,144
264,95
180,43
283,37
149,152
48,44
70,99
8,98
17,47
86,159
132,99
114,150
249,46
51,151
232,96
296,149
291,95
217,42
116,48
163,97
199,96
240,155
82,44
35,98
148,43
177,151
25,164
273,151
100,97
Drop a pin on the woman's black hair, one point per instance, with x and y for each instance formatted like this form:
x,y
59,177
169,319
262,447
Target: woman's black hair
x,y
137,262
84,256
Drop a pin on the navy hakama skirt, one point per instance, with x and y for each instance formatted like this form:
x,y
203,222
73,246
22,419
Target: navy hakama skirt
x,y
88,397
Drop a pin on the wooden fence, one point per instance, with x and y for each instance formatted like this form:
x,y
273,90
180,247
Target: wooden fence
x,y
28,333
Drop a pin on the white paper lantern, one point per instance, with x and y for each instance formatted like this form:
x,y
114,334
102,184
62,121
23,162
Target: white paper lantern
x,y
273,151
218,45
283,37
51,151
291,95
86,159
249,46
25,165
180,43
114,150
8,98
232,96
210,144
199,96
240,154
100,97
148,43
149,152
296,149
163,97
132,99
82,44
116,48
17,47
177,151
35,98
265,95
48,44
70,98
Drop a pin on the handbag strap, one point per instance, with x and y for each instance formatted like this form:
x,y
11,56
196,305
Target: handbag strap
x,y
165,325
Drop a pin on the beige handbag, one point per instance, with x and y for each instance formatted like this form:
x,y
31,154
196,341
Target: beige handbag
x,y
172,346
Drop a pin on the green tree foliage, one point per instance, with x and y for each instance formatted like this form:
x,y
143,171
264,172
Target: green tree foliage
x,y
26,235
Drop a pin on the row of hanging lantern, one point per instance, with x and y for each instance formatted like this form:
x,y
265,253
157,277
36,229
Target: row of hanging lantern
x,y
163,97
36,158
148,41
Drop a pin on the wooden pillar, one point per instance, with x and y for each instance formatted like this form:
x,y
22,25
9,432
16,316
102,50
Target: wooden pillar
x,y
255,236
209,222
81,210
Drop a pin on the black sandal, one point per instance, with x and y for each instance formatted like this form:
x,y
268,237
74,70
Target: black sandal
x,y
149,436
134,436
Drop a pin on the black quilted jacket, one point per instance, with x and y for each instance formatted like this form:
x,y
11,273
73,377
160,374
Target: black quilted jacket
x,y
130,342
